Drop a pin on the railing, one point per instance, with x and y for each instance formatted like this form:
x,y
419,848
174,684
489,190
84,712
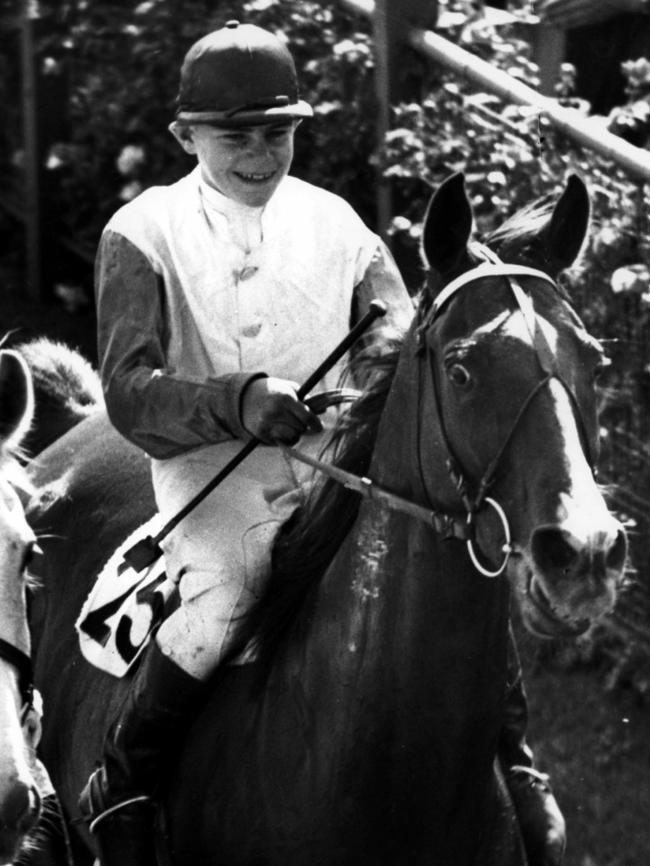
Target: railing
x,y
585,131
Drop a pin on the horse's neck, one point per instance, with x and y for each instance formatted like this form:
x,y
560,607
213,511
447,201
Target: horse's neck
x,y
379,584
410,438
397,600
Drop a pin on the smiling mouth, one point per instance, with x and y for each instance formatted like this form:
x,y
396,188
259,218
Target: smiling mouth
x,y
255,177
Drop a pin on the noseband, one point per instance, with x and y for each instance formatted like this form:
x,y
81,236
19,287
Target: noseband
x,y
493,267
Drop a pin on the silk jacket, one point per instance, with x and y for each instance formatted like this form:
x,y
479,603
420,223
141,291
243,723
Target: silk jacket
x,y
197,295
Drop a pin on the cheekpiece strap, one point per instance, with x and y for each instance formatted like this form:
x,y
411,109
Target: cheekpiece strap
x,y
23,664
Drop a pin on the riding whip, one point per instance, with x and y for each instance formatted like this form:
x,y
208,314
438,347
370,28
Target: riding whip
x,y
146,551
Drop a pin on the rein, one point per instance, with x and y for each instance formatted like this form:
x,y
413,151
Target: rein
x,y
446,524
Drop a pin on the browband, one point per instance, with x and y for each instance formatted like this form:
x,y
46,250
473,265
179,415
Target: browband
x,y
486,269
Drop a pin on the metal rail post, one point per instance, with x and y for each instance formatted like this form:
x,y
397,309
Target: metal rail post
x,y
392,20
32,160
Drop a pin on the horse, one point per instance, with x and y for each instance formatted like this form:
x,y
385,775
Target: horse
x,y
363,723
19,727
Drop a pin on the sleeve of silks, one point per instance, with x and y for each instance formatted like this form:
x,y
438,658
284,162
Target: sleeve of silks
x,y
162,413
381,280
541,822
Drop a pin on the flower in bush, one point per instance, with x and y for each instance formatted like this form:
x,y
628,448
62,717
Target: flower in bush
x,y
130,160
631,279
637,73
62,155
130,190
399,224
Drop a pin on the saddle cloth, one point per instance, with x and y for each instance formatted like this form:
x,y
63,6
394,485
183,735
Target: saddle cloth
x,y
124,608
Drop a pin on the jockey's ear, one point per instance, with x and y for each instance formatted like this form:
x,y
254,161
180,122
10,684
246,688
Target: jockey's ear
x,y
184,135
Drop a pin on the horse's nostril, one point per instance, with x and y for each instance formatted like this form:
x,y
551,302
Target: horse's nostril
x,y
32,815
19,809
552,549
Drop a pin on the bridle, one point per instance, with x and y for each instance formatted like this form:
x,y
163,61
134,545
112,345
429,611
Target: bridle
x,y
446,524
23,665
474,499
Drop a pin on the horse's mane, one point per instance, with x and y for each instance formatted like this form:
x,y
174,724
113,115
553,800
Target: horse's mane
x,y
519,234
66,388
520,239
309,540
61,375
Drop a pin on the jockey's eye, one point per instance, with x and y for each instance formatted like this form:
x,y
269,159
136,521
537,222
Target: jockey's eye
x,y
459,376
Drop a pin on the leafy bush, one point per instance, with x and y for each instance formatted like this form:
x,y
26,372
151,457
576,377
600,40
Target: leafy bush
x,y
121,62
511,156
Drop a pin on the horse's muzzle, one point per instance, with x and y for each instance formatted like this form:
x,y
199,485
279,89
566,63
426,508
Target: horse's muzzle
x,y
578,577
19,813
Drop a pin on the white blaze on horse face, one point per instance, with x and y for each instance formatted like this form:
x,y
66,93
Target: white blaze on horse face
x,y
570,569
572,550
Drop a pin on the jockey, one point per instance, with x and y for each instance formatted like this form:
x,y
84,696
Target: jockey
x,y
215,296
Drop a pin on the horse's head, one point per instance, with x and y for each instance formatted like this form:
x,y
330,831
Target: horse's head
x,y
514,372
19,799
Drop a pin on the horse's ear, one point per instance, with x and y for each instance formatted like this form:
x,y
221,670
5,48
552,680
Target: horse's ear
x,y
16,398
565,233
447,225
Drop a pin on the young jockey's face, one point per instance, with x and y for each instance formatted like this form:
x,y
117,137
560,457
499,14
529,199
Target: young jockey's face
x,y
244,163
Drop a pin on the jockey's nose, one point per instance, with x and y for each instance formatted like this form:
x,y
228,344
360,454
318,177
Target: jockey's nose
x,y
257,144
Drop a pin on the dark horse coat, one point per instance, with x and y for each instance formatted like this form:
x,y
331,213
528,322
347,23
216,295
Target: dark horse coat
x,y
368,731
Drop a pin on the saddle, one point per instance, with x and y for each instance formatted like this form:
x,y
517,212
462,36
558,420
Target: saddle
x,y
125,607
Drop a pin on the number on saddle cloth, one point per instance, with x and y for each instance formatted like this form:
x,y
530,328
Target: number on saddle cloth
x,y
123,610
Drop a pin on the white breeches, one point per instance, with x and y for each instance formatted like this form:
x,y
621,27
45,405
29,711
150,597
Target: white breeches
x,y
219,555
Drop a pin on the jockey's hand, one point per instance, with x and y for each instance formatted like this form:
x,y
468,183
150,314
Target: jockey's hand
x,y
567,14
273,413
541,823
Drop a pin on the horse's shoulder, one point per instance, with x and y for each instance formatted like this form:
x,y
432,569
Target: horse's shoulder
x,y
92,467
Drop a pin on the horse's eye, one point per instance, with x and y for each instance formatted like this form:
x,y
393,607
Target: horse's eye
x,y
32,552
459,376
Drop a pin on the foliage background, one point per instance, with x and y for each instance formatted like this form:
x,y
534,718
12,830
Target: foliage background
x,y
117,64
